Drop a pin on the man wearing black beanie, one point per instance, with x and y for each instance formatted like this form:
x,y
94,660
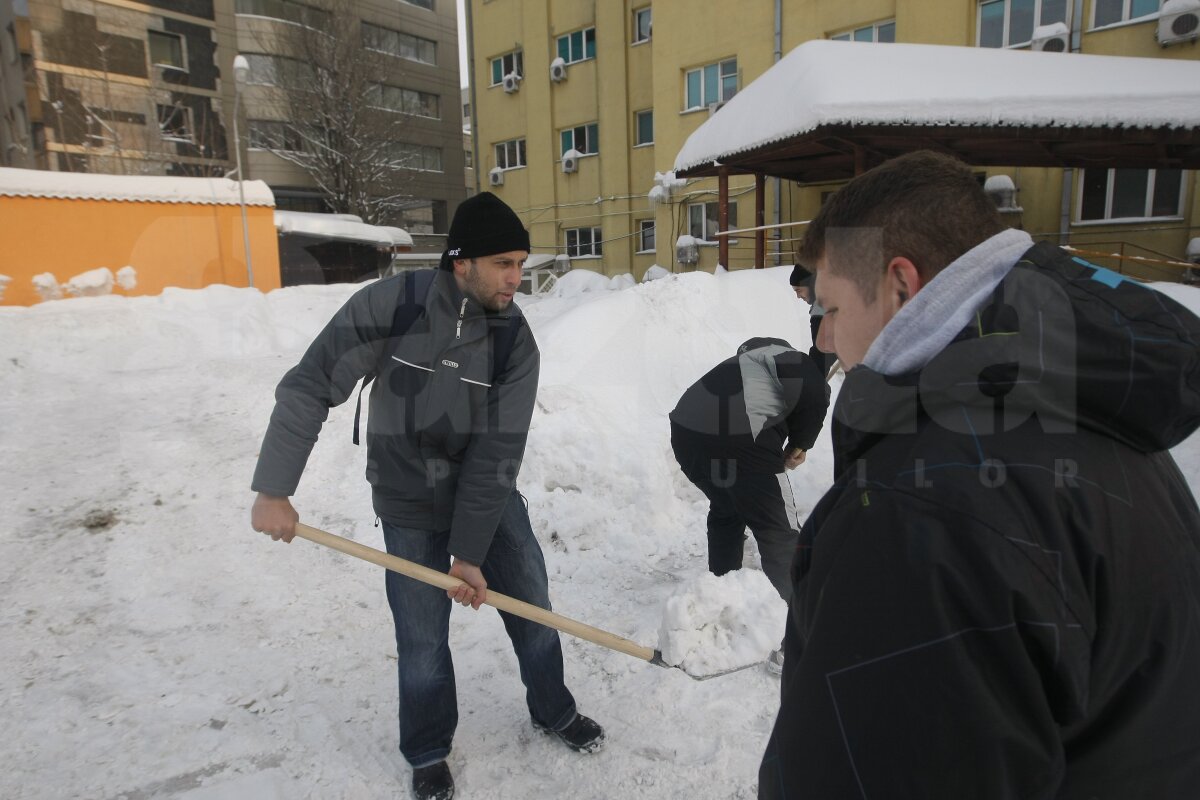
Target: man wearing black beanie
x,y
804,285
457,371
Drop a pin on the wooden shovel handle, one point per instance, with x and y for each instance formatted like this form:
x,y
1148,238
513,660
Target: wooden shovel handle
x,y
495,599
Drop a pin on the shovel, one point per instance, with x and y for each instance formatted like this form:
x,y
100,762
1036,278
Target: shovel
x,y
502,602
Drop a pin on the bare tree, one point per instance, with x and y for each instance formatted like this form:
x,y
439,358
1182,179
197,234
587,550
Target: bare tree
x,y
342,118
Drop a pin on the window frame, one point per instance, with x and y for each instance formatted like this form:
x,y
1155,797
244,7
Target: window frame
x,y
188,127
583,42
423,150
256,126
637,127
595,243
591,130
517,147
401,36
518,65
716,216
310,16
637,27
404,92
304,70
645,225
151,34
721,76
1005,30
1147,203
1126,19
851,34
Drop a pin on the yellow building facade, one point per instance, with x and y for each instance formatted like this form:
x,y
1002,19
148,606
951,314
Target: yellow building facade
x,y
579,103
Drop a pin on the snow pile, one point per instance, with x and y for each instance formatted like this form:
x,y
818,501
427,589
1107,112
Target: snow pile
x,y
127,277
622,281
47,286
5,280
655,272
578,281
717,623
93,283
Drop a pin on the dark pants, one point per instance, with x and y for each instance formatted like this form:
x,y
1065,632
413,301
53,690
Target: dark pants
x,y
737,500
428,702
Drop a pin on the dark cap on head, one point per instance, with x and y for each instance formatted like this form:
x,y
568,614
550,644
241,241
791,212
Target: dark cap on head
x,y
799,275
483,225
762,341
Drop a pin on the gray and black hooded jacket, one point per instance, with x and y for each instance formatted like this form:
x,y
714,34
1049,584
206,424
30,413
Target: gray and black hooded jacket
x,y
444,439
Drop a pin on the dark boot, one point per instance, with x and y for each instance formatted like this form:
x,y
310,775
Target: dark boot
x,y
583,735
433,782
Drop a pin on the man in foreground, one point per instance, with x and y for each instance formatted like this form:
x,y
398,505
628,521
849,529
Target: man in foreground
x,y
1000,596
456,376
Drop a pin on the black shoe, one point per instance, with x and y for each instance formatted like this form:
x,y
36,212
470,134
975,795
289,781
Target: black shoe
x,y
583,735
433,782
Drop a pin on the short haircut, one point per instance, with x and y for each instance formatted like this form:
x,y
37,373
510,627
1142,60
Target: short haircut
x,y
924,206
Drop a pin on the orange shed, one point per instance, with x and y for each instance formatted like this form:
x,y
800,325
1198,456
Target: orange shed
x,y
173,231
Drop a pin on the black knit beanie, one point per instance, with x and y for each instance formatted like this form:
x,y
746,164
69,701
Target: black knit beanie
x,y
483,225
799,276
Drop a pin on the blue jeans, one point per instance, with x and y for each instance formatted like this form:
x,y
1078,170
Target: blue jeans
x,y
428,702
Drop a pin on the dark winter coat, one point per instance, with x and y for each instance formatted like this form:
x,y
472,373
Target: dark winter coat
x,y
1000,596
746,407
443,443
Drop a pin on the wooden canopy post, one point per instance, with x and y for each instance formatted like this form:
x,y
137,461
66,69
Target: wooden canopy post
x,y
723,216
760,235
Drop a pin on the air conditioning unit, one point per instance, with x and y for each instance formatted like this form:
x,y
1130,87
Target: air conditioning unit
x,y
512,82
558,70
496,176
715,107
1179,21
570,162
1054,38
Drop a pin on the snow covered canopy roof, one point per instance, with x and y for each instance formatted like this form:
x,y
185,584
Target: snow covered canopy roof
x,y
829,107
339,226
130,188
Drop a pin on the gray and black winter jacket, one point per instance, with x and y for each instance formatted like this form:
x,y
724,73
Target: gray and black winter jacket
x,y
444,438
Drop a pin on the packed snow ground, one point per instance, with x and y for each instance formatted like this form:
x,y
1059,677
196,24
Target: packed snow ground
x,y
155,646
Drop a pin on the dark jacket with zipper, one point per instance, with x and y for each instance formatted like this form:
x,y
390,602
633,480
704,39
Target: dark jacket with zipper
x,y
745,409
444,440
1000,595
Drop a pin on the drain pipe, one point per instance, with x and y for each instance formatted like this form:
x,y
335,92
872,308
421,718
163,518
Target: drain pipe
x,y
1068,174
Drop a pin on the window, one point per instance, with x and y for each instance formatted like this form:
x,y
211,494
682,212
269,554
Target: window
x,y
268,70
510,154
585,139
641,25
268,134
702,220
1108,12
420,3
710,84
166,50
174,123
506,64
646,236
401,45
577,46
643,122
405,101
420,157
879,32
287,10
1010,23
584,242
1113,194
468,159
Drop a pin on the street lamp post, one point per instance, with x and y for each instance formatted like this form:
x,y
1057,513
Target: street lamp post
x,y
241,68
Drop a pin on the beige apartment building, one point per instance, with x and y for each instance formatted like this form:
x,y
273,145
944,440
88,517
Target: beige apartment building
x,y
580,107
